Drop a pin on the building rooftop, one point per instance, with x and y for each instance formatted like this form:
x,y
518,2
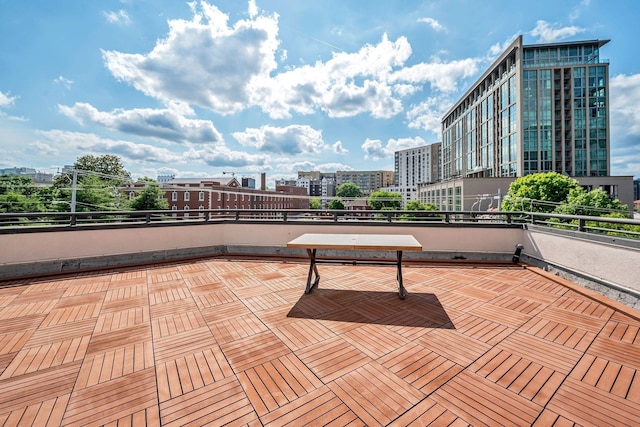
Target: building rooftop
x,y
234,341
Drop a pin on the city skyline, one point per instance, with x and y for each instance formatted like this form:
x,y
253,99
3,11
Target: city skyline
x,y
197,89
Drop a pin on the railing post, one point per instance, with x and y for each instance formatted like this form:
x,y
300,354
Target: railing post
x,y
284,216
72,219
148,217
237,216
582,225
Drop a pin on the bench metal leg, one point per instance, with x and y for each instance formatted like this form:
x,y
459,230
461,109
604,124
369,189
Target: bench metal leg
x,y
313,269
402,292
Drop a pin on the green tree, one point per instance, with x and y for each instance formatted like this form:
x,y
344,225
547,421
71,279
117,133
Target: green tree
x,y
12,201
539,192
593,203
336,204
383,199
348,190
314,203
415,205
17,184
150,199
94,195
99,180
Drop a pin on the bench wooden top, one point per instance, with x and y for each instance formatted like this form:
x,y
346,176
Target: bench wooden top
x,y
394,242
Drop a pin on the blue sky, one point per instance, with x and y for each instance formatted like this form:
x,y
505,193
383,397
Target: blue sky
x,y
199,88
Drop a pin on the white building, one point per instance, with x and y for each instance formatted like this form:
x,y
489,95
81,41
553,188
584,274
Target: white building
x,y
414,166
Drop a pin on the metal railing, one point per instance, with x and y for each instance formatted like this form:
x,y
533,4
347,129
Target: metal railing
x,y
142,218
45,221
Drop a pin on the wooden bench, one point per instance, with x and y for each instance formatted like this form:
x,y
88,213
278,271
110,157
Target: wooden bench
x,y
369,242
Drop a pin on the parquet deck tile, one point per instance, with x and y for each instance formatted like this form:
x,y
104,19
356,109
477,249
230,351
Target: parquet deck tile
x,y
578,339
420,367
177,323
33,297
609,376
253,351
428,413
573,319
332,358
221,403
618,351
119,338
547,353
112,400
588,405
125,303
519,375
57,333
221,341
112,320
169,308
481,402
13,342
46,356
622,330
203,282
86,289
482,329
29,389
237,328
300,334
318,408
179,345
375,395
374,341
454,345
278,382
264,301
102,367
511,318
46,413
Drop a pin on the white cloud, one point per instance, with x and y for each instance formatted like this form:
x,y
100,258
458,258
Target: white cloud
x,y
203,61
293,140
625,124
427,114
435,25
375,150
332,167
338,148
119,17
223,156
442,76
93,144
6,100
227,68
548,33
63,81
252,9
166,124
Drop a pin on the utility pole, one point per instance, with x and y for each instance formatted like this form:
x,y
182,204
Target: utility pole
x,y
74,186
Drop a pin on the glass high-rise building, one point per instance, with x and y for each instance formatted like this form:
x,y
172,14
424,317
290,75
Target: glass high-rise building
x,y
538,108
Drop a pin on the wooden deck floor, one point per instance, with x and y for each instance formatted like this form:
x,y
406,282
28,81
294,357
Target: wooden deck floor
x,y
235,342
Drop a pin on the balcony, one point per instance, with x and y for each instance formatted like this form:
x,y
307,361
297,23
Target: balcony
x,y
159,320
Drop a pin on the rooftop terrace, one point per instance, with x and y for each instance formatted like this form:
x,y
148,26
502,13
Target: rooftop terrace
x,y
203,320
230,341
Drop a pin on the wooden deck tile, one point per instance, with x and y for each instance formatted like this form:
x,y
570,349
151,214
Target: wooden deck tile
x,y
113,400
332,358
253,351
278,382
29,389
481,402
220,403
375,395
238,342
454,345
588,405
